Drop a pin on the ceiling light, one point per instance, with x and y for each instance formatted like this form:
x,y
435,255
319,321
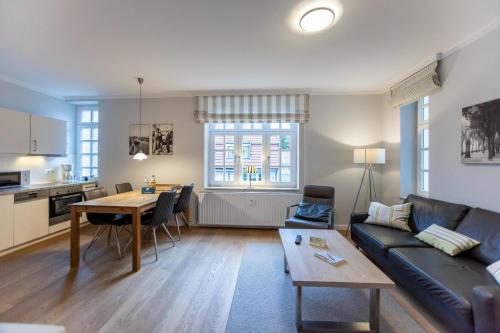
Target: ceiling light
x,y
317,19
140,154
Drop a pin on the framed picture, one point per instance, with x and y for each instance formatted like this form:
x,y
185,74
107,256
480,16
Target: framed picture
x,y
481,133
162,139
138,139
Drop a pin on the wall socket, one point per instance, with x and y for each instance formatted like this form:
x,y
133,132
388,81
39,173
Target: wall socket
x,y
50,172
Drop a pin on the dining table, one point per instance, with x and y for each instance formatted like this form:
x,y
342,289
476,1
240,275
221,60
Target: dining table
x,y
130,203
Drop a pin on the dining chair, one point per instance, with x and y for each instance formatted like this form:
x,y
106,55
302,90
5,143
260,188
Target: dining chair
x,y
123,187
181,205
103,220
160,216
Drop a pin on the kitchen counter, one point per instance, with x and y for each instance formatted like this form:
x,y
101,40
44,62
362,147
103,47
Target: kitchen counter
x,y
42,186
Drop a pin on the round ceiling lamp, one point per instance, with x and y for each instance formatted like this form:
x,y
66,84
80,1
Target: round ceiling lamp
x,y
317,19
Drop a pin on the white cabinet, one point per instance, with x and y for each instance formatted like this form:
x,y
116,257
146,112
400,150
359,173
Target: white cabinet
x,y
48,136
31,220
6,221
14,132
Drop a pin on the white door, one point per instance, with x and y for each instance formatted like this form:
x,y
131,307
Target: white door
x,y
31,220
14,132
6,221
48,136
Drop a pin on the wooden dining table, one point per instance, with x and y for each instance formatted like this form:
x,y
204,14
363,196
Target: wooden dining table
x,y
131,203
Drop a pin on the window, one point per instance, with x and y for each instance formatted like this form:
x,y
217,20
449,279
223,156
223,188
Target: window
x,y
423,146
271,148
87,158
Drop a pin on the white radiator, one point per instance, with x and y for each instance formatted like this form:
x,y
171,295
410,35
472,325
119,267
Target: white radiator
x,y
250,209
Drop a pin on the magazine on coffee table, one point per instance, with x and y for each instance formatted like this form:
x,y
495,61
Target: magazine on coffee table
x,y
331,259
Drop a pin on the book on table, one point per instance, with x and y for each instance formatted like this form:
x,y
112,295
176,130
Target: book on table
x,y
329,258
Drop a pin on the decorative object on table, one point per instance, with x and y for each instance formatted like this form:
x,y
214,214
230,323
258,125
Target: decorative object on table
x,y
316,211
139,134
317,242
368,157
392,217
251,170
481,133
162,139
149,186
331,259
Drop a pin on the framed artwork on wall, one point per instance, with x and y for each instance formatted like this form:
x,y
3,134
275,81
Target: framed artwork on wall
x,y
480,142
162,139
138,139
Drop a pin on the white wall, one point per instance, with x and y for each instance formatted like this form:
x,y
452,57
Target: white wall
x,y
338,123
116,166
26,100
470,76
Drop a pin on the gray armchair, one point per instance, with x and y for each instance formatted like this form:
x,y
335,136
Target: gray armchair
x,y
313,194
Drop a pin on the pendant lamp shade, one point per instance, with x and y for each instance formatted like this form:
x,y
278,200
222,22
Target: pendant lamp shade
x,y
140,154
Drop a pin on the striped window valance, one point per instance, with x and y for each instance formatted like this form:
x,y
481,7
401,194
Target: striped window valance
x,y
422,83
252,109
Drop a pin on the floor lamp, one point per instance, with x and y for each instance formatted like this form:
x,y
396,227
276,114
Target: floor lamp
x,y
368,157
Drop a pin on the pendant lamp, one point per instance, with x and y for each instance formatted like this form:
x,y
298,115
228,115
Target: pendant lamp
x,y
140,154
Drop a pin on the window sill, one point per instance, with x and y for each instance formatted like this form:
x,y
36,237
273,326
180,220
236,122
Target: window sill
x,y
254,189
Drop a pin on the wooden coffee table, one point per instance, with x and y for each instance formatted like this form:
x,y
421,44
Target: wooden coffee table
x,y
306,270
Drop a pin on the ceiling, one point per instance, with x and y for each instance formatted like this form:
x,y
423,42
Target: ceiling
x,y
95,48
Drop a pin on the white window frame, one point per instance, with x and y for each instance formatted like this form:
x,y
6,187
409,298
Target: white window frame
x,y
238,133
423,125
84,125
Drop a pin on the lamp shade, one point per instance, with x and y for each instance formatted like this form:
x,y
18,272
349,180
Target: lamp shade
x,y
369,155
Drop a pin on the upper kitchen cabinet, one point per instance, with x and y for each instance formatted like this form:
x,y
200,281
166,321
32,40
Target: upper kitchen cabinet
x,y
14,132
48,136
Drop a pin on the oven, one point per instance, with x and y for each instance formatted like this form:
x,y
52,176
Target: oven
x,y
60,200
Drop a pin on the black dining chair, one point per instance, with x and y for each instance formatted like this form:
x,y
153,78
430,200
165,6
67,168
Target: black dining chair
x,y
123,187
103,220
181,205
160,216
316,211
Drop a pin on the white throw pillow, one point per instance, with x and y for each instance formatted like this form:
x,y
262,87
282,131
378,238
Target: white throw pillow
x,y
494,269
393,217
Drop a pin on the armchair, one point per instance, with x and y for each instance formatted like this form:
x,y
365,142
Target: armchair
x,y
313,194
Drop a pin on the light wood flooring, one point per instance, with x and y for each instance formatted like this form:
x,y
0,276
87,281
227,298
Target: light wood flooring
x,y
189,289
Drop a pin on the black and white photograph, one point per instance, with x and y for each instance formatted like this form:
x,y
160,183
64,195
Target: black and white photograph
x,y
162,139
138,139
481,133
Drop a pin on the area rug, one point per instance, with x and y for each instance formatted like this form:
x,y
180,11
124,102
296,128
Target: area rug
x,y
264,299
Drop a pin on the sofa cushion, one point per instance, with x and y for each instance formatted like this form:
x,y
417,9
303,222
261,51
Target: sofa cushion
x,y
446,240
393,217
442,283
426,212
484,226
373,238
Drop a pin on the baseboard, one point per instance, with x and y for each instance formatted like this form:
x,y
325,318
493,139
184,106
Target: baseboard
x,y
38,240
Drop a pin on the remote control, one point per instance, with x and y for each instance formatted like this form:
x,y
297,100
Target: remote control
x,y
298,239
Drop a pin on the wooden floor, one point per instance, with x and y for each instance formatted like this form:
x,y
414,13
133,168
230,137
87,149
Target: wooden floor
x,y
189,289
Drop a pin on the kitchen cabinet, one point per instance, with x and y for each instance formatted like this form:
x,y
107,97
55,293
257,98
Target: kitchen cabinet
x,y
6,221
48,136
14,132
31,220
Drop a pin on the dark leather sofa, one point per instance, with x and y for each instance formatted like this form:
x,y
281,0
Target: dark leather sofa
x,y
458,290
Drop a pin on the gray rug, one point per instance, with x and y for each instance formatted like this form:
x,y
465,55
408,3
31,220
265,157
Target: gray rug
x,y
264,299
